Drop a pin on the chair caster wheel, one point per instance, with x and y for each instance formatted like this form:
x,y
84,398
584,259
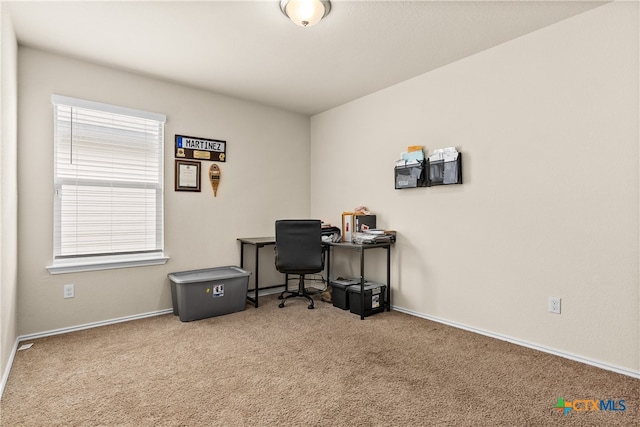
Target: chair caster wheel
x,y
281,305
280,297
310,307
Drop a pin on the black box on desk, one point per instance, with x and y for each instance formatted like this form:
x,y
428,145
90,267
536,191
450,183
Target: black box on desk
x,y
364,222
339,293
374,298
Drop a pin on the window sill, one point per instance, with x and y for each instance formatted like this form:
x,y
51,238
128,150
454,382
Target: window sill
x,y
105,263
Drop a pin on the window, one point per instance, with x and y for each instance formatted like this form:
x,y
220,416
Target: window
x,y
108,167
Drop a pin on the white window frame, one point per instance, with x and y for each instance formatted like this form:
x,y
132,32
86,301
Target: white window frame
x,y
69,262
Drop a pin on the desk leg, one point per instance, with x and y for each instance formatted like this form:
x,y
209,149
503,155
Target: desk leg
x,y
241,255
389,278
328,265
254,301
255,281
361,284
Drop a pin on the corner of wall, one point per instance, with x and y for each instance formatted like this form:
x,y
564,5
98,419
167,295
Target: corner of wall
x,y
8,194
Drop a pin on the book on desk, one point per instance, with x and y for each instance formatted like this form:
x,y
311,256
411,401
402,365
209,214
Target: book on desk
x,y
374,236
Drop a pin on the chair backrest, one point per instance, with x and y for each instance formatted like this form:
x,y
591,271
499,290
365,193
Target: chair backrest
x,y
299,246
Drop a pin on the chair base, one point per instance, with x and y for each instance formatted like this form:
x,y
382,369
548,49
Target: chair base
x,y
300,293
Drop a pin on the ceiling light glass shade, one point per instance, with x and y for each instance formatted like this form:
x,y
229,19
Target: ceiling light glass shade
x,y
305,13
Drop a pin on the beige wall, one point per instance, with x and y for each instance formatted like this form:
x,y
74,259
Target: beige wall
x,y
8,193
264,178
548,124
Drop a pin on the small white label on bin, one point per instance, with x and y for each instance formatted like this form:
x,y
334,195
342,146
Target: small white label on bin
x,y
218,290
375,301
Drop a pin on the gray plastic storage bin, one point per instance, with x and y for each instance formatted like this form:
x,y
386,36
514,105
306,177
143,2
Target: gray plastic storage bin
x,y
209,292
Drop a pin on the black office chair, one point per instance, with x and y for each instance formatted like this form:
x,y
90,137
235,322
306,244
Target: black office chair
x,y
298,251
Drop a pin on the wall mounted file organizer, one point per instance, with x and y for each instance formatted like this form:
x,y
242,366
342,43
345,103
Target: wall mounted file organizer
x,y
447,170
443,167
410,174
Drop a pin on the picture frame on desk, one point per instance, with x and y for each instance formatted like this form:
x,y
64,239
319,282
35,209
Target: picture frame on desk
x,y
347,226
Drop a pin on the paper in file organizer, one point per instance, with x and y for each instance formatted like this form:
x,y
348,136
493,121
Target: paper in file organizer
x,y
409,169
450,157
409,173
443,166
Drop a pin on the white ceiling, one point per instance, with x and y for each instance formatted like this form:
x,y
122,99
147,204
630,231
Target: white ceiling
x,y
250,50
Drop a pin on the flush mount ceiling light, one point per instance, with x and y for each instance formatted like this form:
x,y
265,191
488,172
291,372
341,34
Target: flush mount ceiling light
x,y
305,13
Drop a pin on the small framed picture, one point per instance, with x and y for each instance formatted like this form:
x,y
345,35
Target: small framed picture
x,y
187,176
347,226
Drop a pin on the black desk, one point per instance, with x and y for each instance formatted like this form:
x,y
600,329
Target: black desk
x,y
361,248
258,242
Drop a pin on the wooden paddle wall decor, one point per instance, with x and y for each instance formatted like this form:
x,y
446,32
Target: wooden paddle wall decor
x,y
214,177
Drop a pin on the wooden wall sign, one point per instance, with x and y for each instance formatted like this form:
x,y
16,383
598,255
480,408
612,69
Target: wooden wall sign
x,y
188,147
214,177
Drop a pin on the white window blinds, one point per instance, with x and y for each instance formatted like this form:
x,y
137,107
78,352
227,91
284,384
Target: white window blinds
x,y
108,180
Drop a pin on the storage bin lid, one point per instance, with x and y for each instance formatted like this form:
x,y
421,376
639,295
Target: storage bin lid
x,y
208,274
368,286
344,283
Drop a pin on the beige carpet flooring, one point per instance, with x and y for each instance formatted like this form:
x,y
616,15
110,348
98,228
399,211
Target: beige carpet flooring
x,y
300,367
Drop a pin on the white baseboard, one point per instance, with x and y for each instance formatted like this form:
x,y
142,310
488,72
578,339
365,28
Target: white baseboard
x,y
5,374
36,335
93,325
265,292
586,361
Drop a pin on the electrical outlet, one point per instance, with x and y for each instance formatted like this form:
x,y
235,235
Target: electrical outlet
x,y
69,291
554,305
